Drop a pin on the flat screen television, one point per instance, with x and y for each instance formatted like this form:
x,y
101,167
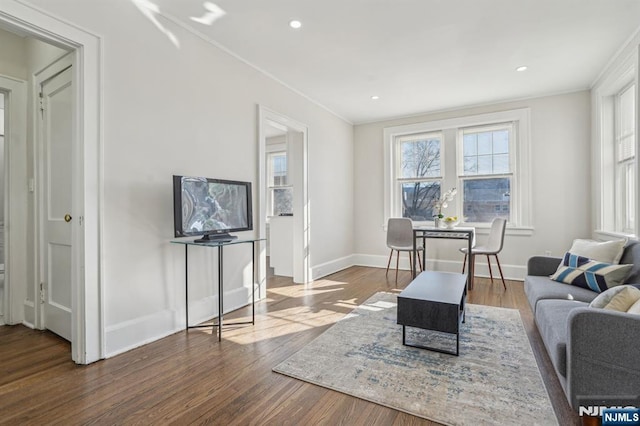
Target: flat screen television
x,y
211,208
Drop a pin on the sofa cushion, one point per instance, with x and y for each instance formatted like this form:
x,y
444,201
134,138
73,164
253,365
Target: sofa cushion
x,y
601,251
622,301
635,308
605,297
541,288
587,273
551,318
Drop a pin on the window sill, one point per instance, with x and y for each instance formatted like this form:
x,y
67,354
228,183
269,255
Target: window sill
x,y
610,235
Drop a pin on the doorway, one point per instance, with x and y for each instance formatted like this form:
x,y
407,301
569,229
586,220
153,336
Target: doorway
x,y
2,202
279,134
86,189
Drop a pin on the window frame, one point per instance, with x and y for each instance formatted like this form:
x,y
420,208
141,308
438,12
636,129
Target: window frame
x,y
521,217
604,142
624,167
399,180
270,186
512,128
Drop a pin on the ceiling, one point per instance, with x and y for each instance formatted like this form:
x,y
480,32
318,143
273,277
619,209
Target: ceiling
x,y
417,55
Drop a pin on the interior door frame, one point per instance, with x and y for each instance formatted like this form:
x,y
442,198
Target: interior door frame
x,y
87,327
301,267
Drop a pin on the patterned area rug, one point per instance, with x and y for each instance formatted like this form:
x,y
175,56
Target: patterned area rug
x,y
495,380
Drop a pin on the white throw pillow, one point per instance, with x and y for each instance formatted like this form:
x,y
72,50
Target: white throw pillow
x,y
602,251
605,297
635,308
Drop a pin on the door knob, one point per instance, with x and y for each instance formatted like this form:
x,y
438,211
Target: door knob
x,y
67,217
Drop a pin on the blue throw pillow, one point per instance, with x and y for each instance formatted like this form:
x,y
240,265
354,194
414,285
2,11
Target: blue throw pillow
x,y
590,274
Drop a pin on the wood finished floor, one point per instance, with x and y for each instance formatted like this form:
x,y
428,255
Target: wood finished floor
x,y
191,378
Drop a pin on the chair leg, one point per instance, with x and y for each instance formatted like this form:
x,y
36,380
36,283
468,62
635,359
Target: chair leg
x,y
472,270
410,260
501,274
389,262
490,272
397,261
464,263
419,261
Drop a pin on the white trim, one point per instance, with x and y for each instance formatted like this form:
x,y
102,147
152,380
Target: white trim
x,y
130,334
511,272
332,266
15,226
301,219
87,295
522,164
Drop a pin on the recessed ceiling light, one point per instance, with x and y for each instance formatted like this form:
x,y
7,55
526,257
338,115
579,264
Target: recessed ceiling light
x,y
375,97
295,24
522,68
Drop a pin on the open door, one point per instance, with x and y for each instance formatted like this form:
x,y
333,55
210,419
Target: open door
x,y
56,244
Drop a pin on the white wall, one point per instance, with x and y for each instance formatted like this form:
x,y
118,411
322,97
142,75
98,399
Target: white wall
x,y
189,110
560,134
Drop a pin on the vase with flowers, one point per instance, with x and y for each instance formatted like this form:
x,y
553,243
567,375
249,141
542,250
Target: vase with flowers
x,y
442,203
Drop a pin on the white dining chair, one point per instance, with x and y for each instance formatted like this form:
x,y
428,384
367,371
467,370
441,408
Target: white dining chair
x,y
400,238
492,247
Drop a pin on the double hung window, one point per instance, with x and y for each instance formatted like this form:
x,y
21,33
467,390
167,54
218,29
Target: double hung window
x,y
485,157
625,152
485,172
280,192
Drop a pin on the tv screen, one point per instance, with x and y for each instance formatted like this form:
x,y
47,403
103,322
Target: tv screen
x,y
211,207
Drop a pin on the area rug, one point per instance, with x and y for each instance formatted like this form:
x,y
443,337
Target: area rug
x,y
495,380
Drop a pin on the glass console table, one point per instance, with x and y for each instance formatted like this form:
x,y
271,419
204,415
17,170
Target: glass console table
x,y
457,233
220,245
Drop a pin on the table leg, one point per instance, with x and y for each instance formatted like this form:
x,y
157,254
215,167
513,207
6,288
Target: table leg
x,y
220,290
470,260
424,253
415,253
186,286
253,282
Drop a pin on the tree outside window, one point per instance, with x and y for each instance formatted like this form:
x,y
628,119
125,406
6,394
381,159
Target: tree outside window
x,y
420,174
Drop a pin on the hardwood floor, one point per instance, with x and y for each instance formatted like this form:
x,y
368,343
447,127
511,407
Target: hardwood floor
x,y
192,378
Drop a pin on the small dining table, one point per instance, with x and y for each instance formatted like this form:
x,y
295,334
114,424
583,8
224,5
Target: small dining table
x,y
455,233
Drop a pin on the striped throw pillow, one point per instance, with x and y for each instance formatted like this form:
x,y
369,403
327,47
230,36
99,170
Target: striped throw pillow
x,y
590,274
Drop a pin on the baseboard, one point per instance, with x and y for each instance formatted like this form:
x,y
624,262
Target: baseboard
x,y
137,332
331,267
511,272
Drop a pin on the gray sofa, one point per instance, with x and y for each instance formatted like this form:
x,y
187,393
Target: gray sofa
x,y
595,352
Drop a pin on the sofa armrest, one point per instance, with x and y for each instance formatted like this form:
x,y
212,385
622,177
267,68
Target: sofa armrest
x,y
543,265
603,357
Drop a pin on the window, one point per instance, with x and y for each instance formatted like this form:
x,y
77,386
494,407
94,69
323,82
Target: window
x,y
485,172
419,174
624,112
280,193
486,157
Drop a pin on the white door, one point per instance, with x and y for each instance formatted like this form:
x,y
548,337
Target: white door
x,y
56,115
